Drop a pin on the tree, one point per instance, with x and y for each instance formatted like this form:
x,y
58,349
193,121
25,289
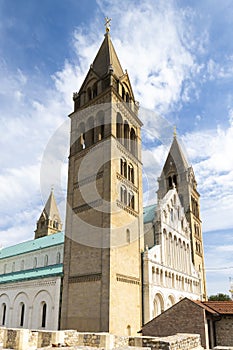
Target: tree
x,y
219,297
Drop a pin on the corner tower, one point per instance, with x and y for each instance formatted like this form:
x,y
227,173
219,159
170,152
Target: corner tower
x,y
104,232
49,221
177,172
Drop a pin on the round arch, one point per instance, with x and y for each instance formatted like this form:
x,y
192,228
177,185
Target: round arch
x,y
158,304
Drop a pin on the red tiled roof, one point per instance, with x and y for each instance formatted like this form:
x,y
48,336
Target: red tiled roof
x,y
222,307
202,304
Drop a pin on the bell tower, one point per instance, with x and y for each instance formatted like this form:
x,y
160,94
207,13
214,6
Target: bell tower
x,y
104,226
49,221
177,172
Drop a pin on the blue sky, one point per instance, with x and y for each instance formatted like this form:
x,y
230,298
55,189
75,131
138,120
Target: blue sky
x,y
179,56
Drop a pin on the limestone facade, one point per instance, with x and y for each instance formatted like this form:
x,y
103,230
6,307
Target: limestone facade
x,y
104,227
168,272
30,283
178,172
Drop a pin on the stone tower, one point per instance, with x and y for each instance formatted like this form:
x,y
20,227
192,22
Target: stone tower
x,y
49,221
104,225
177,172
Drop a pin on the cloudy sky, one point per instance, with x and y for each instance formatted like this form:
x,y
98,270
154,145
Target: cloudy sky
x,y
179,56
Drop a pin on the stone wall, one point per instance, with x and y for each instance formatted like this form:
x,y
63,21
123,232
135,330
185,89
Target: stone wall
x,y
179,341
183,317
224,331
25,339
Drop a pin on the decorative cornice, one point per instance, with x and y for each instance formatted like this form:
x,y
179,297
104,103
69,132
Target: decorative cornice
x,y
126,208
127,279
85,278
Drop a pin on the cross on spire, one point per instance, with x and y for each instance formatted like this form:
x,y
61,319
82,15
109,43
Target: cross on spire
x,y
107,24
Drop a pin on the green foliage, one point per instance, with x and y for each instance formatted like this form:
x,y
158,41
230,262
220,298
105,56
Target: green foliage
x,y
219,297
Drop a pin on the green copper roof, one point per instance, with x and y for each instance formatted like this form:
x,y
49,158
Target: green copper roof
x,y
149,213
42,272
35,244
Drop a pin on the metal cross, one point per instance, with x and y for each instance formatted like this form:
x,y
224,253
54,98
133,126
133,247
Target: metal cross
x,y
107,24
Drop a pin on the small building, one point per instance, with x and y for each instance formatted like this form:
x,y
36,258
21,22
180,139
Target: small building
x,y
213,320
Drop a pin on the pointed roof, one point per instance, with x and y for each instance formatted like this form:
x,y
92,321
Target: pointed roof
x,y
177,152
51,209
107,58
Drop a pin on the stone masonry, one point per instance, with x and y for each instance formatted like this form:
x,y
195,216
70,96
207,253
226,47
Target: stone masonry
x,y
25,339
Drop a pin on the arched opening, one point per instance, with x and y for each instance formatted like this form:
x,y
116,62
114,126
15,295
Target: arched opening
x,y
158,304
131,200
58,257
131,173
123,92
22,314
133,142
35,262
126,134
100,125
123,195
94,90
46,260
128,235
123,167
170,301
3,314
90,132
89,94
22,265
44,314
129,330
119,127
81,137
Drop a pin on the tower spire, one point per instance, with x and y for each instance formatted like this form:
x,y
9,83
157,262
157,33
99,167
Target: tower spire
x,y
49,221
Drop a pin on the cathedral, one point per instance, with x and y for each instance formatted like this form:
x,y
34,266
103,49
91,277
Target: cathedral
x,y
118,265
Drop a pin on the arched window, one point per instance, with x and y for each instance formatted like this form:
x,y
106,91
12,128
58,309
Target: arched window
x,y
5,266
129,330
94,90
46,260
123,167
81,137
90,132
123,195
170,182
55,224
131,200
131,173
171,214
89,94
126,134
119,127
133,145
128,235
3,314
58,257
100,125
44,314
22,265
123,92
13,267
22,313
174,180
35,262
